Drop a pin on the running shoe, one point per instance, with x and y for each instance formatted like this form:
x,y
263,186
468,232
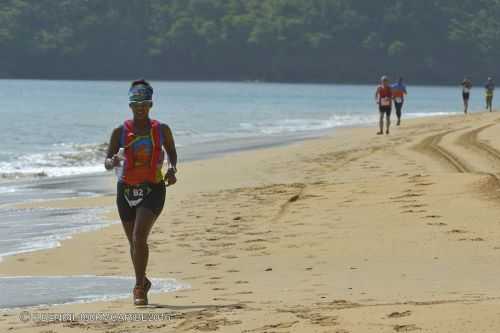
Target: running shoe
x,y
140,297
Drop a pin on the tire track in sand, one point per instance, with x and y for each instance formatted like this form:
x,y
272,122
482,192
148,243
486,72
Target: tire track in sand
x,y
431,146
471,140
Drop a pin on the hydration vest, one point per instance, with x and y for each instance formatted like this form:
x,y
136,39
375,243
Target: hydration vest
x,y
127,140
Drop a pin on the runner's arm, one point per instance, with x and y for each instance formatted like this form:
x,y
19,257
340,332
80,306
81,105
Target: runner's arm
x,y
169,145
114,143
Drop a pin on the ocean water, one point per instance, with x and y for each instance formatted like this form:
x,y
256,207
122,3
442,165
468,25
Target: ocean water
x,y
32,229
26,291
60,128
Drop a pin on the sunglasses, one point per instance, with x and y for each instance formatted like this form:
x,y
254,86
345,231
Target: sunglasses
x,y
140,105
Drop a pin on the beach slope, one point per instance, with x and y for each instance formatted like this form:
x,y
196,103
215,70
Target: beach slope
x,y
349,233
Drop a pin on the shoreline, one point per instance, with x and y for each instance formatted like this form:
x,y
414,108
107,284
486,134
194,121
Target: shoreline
x,y
222,148
73,290
312,236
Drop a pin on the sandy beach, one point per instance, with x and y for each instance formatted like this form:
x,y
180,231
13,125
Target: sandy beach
x,y
349,233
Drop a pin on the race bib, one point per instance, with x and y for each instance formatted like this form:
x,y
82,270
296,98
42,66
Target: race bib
x,y
385,101
135,194
398,100
466,90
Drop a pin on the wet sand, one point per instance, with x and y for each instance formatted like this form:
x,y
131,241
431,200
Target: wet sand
x,y
348,233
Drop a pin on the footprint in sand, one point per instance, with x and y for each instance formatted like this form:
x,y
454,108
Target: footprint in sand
x,y
260,254
414,206
424,184
256,233
241,282
320,319
211,265
437,224
255,248
230,233
457,231
255,240
399,314
210,282
207,324
406,328
411,211
477,239
209,253
271,327
224,245
408,195
230,256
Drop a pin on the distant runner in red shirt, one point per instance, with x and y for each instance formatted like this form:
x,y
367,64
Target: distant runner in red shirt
x,y
383,97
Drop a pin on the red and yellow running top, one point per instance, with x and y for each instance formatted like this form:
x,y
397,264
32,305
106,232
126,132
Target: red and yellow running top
x,y
143,154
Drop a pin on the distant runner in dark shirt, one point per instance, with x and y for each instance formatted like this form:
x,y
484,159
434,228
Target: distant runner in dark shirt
x,y
489,89
466,88
398,94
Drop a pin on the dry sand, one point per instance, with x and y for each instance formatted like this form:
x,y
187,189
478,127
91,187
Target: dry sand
x,y
348,233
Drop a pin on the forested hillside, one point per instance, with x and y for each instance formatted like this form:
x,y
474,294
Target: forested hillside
x,y
427,41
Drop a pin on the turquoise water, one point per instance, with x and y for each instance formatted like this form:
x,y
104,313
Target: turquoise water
x,y
56,128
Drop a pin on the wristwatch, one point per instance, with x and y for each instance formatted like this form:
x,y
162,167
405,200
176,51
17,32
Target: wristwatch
x,y
108,163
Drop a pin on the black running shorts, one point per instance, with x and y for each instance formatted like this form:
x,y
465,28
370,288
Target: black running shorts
x,y
385,109
399,107
154,201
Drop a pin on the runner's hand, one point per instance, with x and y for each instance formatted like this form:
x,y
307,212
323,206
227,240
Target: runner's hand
x,y
112,162
115,160
170,177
